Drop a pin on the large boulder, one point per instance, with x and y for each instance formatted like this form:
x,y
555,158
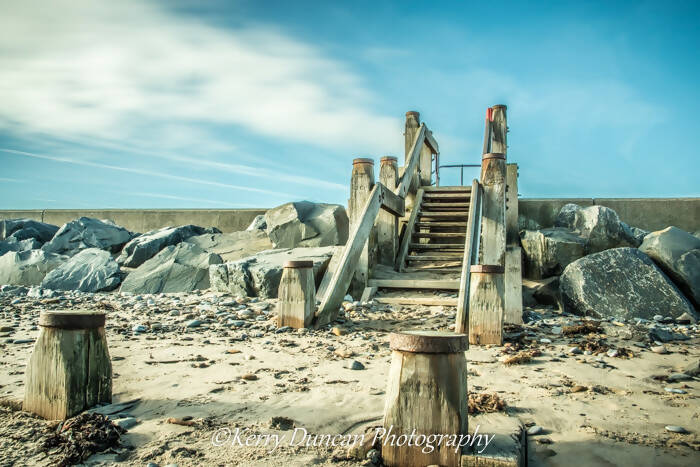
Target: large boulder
x,y
177,268
85,233
548,251
145,246
599,225
233,246
678,253
91,270
27,267
23,229
12,244
259,275
307,224
621,283
259,223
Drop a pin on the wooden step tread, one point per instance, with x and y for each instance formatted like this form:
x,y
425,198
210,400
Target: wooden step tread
x,y
437,246
440,224
428,206
443,257
414,284
448,268
446,189
455,195
429,301
443,214
439,235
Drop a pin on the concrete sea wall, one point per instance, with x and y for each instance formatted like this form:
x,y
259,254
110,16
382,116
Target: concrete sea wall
x,y
645,213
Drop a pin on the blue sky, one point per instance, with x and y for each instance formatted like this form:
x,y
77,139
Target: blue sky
x,y
185,104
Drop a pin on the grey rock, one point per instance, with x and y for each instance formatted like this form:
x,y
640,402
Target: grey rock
x,y
87,232
675,391
599,225
678,254
233,246
195,323
12,244
662,335
355,365
260,275
91,270
146,246
676,429
678,377
693,369
27,267
24,229
659,349
575,351
535,430
685,318
126,423
548,251
139,328
307,224
620,283
259,223
177,268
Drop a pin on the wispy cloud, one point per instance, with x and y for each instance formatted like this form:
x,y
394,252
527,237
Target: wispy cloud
x,y
149,173
181,198
11,180
109,70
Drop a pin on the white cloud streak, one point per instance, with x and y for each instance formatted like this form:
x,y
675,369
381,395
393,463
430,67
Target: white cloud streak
x,y
107,70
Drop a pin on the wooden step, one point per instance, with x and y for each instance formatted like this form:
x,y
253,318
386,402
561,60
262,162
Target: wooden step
x,y
438,206
428,224
439,235
443,257
454,195
414,284
446,189
448,268
428,301
443,214
437,246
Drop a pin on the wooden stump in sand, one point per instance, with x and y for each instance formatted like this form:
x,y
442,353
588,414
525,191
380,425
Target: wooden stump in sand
x,y
486,304
297,295
69,369
426,395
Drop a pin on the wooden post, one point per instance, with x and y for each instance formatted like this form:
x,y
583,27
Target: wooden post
x,y
426,395
412,127
499,130
361,184
493,227
387,223
297,295
513,265
69,369
486,304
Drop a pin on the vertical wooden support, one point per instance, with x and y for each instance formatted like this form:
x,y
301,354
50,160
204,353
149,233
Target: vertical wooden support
x,y
361,184
69,369
412,127
486,304
499,130
297,295
387,223
513,265
493,227
425,166
426,395
471,256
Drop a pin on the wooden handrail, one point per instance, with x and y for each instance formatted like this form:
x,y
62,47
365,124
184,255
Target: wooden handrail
x,y
471,256
410,169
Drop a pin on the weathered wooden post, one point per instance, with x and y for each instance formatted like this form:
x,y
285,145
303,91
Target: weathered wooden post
x,y
513,265
387,223
69,369
297,295
486,304
412,127
426,395
361,184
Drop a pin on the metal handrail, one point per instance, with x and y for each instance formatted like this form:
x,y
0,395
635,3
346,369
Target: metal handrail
x,y
461,173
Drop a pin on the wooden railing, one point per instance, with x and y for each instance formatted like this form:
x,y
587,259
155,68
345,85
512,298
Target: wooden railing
x,y
340,271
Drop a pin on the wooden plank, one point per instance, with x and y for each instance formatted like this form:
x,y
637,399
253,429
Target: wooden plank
x,y
437,246
410,167
361,185
406,241
440,196
471,252
390,202
447,189
430,141
512,236
428,205
330,269
340,280
428,224
513,287
444,214
429,301
443,257
414,284
451,267
386,224
439,234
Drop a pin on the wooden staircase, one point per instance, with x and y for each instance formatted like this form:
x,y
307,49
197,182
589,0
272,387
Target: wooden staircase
x,y
431,252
